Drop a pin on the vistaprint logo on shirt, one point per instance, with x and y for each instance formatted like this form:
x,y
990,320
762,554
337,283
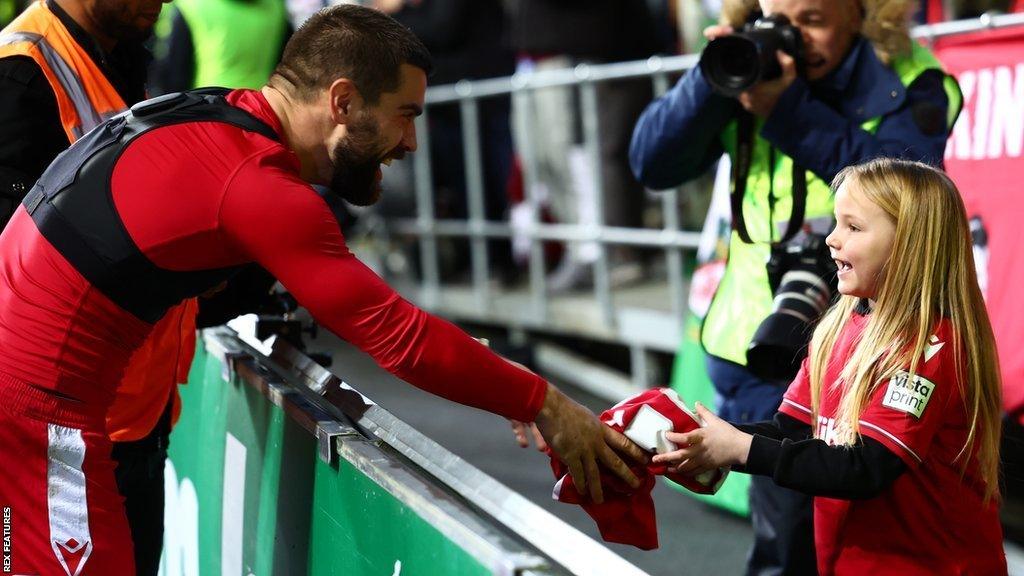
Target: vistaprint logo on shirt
x,y
910,395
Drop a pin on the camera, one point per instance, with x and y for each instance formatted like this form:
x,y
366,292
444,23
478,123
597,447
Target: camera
x,y
734,63
803,278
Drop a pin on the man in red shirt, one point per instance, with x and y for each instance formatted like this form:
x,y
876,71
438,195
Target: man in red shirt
x,y
158,205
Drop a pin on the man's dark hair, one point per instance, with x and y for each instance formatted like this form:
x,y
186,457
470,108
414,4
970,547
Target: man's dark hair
x,y
349,41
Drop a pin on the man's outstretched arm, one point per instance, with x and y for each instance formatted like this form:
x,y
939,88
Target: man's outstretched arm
x,y
291,232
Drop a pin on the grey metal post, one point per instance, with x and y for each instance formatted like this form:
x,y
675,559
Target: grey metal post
x,y
592,142
523,111
470,111
670,213
638,365
425,214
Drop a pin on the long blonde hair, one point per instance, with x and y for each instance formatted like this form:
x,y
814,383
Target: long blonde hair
x,y
928,277
886,23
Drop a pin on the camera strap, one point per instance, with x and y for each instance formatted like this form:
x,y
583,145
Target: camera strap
x,y
740,173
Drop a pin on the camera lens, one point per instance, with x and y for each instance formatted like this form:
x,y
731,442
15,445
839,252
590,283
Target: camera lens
x,y
731,64
734,63
780,342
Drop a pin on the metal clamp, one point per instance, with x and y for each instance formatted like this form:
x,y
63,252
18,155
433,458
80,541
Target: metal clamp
x,y
326,432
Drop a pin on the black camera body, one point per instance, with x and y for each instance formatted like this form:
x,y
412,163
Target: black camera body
x,y
803,278
734,63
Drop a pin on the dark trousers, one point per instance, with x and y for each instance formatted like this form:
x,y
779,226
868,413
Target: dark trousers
x,y
782,519
140,480
621,103
448,165
783,530
1011,461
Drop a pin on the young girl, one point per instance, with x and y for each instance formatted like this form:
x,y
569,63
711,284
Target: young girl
x,y
893,422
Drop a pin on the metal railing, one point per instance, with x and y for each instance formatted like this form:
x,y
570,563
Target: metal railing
x,y
477,229
660,330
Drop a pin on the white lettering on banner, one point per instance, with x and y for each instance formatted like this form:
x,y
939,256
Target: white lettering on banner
x,y
991,125
982,113
181,526
1007,113
181,517
233,510
959,143
910,395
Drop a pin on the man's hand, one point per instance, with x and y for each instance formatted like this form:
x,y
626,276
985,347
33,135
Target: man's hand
x,y
762,98
581,441
715,445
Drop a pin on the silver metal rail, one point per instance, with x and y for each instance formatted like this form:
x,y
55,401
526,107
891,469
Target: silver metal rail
x,y
987,21
510,534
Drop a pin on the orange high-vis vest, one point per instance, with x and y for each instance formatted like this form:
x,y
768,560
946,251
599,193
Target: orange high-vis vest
x,y
85,98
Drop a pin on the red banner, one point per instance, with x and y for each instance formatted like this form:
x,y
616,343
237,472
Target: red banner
x,y
984,158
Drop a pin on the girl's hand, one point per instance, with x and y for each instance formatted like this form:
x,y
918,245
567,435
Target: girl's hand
x,y
714,445
527,431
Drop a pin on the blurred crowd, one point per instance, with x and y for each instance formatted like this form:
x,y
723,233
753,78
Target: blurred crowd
x,y
235,43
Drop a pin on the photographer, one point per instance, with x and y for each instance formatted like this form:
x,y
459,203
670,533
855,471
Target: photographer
x,y
865,91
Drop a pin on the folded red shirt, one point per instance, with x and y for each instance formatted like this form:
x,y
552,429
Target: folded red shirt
x,y
627,515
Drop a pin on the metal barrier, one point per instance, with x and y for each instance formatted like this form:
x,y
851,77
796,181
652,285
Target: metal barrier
x,y
651,317
279,467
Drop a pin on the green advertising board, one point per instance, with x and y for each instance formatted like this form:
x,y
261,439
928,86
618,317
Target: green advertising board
x,y
269,475
230,454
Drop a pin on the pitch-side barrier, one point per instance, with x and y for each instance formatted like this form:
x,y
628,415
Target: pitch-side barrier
x,y
278,467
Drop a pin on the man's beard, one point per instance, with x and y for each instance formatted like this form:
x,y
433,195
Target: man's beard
x,y
356,161
115,20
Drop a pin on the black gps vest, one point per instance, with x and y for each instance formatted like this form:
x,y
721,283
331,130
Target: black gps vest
x,y
73,207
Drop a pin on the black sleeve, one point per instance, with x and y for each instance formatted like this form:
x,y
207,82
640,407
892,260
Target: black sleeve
x,y
31,134
780,428
813,467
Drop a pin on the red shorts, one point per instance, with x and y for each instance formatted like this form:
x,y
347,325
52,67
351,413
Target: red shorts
x,y
61,511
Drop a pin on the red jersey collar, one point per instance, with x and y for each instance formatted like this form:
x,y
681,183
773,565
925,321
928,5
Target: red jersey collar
x,y
255,103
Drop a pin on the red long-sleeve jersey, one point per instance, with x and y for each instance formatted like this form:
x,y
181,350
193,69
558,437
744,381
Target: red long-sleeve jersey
x,y
204,195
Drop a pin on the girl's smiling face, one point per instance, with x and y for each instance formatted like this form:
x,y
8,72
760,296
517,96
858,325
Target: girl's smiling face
x,y
861,242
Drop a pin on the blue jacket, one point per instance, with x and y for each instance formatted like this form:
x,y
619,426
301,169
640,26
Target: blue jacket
x,y
818,125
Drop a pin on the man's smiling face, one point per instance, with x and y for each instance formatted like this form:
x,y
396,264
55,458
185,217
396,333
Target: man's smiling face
x,y
380,133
